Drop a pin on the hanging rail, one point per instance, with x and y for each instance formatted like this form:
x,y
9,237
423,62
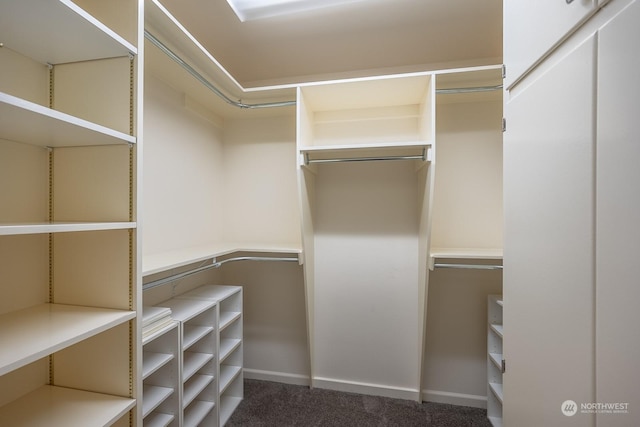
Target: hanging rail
x,y
422,157
177,59
206,82
469,266
214,264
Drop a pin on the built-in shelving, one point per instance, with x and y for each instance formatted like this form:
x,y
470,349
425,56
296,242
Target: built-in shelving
x,y
59,406
230,347
61,227
30,334
60,32
153,397
151,362
27,122
495,360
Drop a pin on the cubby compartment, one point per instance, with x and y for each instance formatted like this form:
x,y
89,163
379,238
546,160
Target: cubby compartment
x,y
495,360
161,378
198,354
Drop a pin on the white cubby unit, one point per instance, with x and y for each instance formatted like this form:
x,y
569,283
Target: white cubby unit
x,y
495,360
364,150
161,377
68,226
230,338
198,399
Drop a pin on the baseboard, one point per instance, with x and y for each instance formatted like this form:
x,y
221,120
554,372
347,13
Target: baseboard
x,y
277,377
458,399
368,389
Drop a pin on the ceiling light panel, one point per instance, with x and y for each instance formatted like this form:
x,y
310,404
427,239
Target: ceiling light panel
x,y
248,10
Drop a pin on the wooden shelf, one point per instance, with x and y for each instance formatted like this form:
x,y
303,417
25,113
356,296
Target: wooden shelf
x,y
30,123
193,387
228,317
196,412
57,406
496,388
192,362
193,334
61,32
227,374
151,362
62,227
157,263
153,396
30,334
158,419
228,404
497,329
227,346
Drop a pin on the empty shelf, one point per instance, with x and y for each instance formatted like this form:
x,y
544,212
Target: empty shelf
x,y
30,123
153,396
62,227
227,374
227,346
153,361
227,317
196,412
497,329
158,419
496,388
57,406
194,387
192,362
228,404
193,334
30,334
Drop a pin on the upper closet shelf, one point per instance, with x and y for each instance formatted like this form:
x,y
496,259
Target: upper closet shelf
x,y
27,122
59,33
30,334
466,253
58,406
157,263
61,227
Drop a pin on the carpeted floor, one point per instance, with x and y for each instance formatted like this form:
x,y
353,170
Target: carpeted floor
x,y
282,405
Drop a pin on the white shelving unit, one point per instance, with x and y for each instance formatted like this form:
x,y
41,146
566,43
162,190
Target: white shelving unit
x,y
67,221
495,360
364,149
198,397
161,377
230,339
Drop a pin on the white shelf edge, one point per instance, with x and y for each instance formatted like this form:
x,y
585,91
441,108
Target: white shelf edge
x,y
466,253
193,362
227,318
496,358
158,419
228,404
227,374
62,227
68,34
152,361
368,146
47,127
155,334
228,346
59,406
195,386
496,388
35,332
497,329
495,421
153,396
195,334
196,412
159,262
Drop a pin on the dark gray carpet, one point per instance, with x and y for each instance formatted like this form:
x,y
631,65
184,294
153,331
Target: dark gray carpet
x,y
274,404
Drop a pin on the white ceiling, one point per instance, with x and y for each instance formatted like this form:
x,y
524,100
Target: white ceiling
x,y
354,39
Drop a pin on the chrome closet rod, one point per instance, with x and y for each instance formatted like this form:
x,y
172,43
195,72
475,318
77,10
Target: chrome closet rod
x,y
206,82
454,90
309,161
469,266
214,264
234,103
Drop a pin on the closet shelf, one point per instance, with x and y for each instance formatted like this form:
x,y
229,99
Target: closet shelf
x,y
497,329
158,419
496,388
61,227
466,253
157,263
196,412
32,333
31,123
153,397
227,374
227,346
194,387
193,362
151,362
193,334
228,404
59,33
59,406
